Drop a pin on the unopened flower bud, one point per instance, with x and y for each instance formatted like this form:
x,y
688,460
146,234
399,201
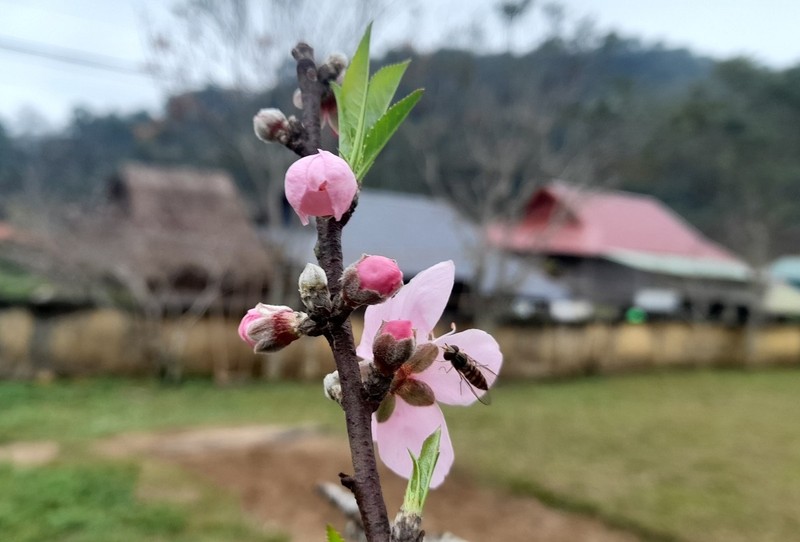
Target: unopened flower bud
x,y
313,286
332,387
337,62
271,125
371,280
393,345
321,184
333,69
268,328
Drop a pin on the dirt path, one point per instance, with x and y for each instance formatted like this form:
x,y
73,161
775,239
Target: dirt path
x,y
274,472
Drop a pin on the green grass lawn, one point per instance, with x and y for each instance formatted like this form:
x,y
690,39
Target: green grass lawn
x,y
708,456
701,456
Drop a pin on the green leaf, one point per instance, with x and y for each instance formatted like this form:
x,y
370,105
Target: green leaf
x,y
382,87
333,536
351,100
420,481
383,130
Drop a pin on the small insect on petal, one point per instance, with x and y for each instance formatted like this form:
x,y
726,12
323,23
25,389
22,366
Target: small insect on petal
x,y
470,372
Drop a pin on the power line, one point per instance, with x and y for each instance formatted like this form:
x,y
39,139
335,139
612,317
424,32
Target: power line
x,y
70,56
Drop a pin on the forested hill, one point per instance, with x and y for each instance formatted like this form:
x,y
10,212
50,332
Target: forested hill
x,y
717,141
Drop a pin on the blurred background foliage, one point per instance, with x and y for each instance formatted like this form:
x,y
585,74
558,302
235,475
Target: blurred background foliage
x,y
715,140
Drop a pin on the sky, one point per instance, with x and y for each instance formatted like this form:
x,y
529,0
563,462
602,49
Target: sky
x,y
59,54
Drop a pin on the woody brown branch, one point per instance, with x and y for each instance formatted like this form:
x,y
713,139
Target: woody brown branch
x,y
365,482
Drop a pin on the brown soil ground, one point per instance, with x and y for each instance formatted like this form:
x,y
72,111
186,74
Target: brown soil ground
x,y
275,472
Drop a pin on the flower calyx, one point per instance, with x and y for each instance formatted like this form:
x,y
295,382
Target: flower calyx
x,y
413,391
393,345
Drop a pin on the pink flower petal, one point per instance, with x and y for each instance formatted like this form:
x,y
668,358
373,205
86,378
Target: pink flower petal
x,y
447,384
342,186
295,186
317,202
406,429
332,116
422,301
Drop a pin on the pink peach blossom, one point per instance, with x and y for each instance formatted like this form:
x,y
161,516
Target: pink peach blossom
x,y
321,184
422,301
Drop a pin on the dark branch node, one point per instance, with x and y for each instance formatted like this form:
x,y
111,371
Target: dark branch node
x,y
347,481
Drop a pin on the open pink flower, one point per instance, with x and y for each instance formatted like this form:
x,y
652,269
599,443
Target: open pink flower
x,y
422,301
321,184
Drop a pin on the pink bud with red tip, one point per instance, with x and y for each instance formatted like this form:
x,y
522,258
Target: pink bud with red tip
x,y
268,328
321,184
394,343
371,280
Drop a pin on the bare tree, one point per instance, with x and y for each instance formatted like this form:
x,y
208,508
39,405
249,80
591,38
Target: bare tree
x,y
507,150
240,46
511,12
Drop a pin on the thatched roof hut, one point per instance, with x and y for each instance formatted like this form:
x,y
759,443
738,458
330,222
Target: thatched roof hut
x,y
178,232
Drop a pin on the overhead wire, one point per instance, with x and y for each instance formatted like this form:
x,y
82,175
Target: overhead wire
x,y
71,56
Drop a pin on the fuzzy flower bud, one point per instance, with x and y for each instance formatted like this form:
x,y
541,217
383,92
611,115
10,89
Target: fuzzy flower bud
x,y
313,286
393,345
271,125
321,184
268,328
338,62
371,280
332,385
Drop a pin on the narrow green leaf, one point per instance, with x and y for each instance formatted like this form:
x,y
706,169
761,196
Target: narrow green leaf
x,y
333,536
420,481
351,100
382,87
347,127
413,489
383,130
345,130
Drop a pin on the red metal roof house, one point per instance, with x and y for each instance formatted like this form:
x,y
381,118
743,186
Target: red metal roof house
x,y
611,247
